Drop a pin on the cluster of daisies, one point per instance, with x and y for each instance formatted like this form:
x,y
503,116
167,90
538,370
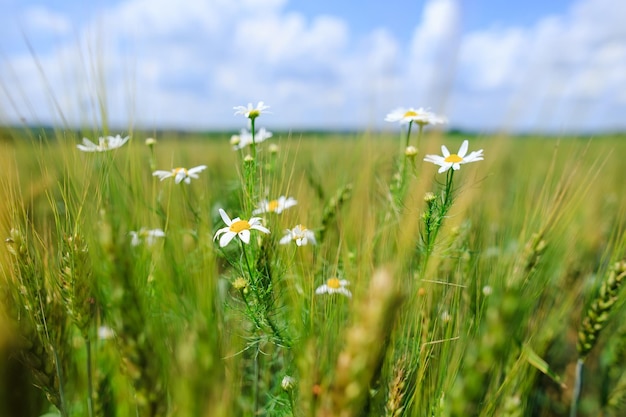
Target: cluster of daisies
x,y
300,235
237,227
423,117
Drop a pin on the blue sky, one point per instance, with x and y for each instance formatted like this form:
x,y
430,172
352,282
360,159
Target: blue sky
x,y
485,64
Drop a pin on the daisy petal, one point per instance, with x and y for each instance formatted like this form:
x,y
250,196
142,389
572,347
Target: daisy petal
x,y
225,217
463,148
226,238
244,235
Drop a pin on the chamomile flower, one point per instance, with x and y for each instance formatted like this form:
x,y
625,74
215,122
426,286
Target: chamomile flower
x,y
245,138
251,112
288,383
240,283
149,237
299,234
419,116
238,227
454,160
275,206
180,174
106,143
410,151
334,286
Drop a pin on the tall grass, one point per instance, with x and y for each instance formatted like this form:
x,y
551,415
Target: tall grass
x,y
484,321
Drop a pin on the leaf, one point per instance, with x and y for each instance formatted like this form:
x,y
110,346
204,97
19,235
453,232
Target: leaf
x,y
538,362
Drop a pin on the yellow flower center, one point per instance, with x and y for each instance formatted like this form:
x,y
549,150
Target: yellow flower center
x,y
272,205
240,283
253,114
239,225
177,170
333,283
410,113
298,232
454,158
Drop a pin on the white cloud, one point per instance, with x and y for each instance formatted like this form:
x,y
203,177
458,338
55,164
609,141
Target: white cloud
x,y
489,59
552,74
166,65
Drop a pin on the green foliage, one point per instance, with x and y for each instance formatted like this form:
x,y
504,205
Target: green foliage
x,y
469,301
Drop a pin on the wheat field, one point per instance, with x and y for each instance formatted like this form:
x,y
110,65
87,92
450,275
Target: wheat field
x,y
376,287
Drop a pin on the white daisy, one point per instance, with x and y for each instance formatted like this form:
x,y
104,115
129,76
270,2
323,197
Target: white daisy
x,y
251,112
104,144
275,206
334,286
454,160
245,138
419,116
299,234
238,227
145,235
180,174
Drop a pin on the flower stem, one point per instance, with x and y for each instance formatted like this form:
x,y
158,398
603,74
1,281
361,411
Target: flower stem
x,y
256,381
89,378
245,257
253,144
435,216
447,198
187,197
408,134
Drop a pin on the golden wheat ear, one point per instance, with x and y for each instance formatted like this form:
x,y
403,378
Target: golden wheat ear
x,y
364,351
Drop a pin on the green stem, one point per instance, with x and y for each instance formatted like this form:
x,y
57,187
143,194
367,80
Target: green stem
x,y
250,312
256,381
245,257
89,378
196,214
253,145
254,285
57,365
447,200
434,225
291,404
408,135
152,161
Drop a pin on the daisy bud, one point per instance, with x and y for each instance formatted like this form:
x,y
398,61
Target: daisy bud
x,y
240,283
288,383
487,290
429,197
